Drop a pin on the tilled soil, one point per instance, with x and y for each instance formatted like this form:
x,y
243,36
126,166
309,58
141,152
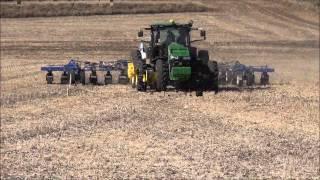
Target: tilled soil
x,y
115,132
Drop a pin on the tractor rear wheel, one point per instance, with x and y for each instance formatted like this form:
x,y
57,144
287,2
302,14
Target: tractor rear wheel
x,y
214,75
162,75
203,55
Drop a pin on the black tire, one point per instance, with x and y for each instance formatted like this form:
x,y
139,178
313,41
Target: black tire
x,y
49,78
93,78
108,79
49,81
264,80
64,78
203,56
193,53
199,93
141,86
250,78
83,77
162,75
214,75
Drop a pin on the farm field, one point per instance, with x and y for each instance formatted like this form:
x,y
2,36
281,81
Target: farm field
x,y
115,132
86,8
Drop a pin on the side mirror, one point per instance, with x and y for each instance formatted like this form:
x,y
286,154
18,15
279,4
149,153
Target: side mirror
x,y
140,33
203,34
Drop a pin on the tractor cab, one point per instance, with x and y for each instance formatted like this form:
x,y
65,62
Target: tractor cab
x,y
165,35
168,35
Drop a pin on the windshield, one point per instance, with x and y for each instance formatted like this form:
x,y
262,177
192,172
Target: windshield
x,y
172,34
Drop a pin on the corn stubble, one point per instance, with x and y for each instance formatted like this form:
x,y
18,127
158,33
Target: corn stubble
x,y
115,132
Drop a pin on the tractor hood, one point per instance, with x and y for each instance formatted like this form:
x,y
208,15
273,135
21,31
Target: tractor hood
x,y
176,50
179,58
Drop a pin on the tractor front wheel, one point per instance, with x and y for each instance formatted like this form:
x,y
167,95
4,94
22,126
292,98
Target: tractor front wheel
x,y
162,76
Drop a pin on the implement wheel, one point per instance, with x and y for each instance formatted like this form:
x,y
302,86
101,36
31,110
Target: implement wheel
x,y
250,78
108,78
93,78
49,78
83,77
64,78
264,80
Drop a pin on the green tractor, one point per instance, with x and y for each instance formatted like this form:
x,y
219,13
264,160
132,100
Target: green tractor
x,y
169,59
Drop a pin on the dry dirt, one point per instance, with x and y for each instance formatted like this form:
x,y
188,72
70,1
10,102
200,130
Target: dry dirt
x,y
116,132
86,8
